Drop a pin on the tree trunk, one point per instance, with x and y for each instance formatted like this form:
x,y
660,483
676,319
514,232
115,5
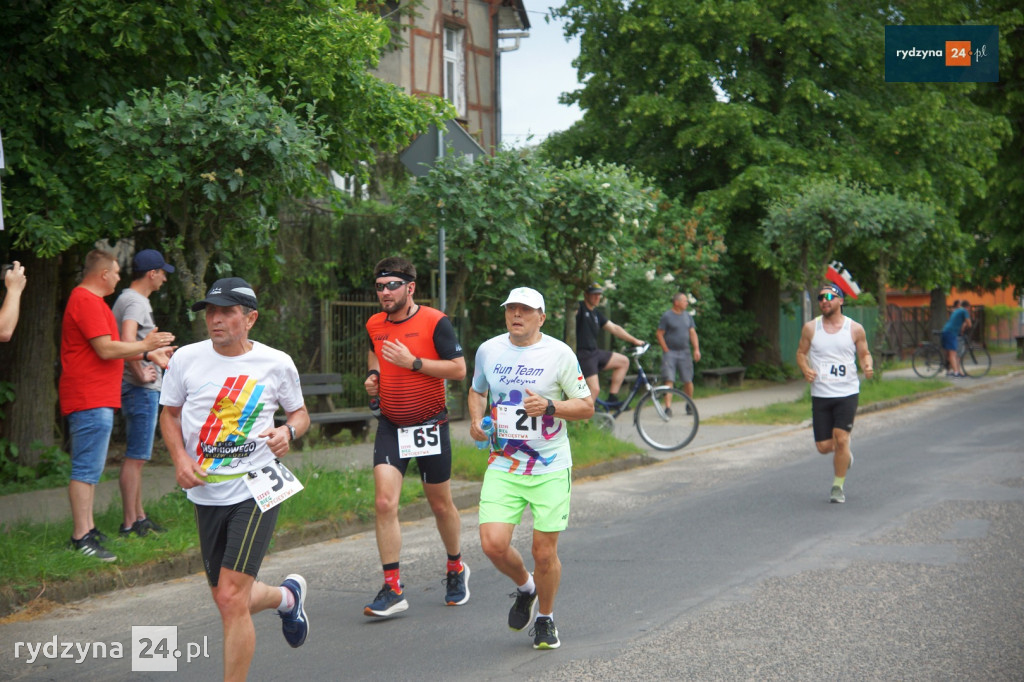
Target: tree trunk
x,y
763,301
883,314
937,306
30,420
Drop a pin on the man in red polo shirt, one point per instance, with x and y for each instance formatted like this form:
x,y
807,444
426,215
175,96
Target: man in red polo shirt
x,y
92,361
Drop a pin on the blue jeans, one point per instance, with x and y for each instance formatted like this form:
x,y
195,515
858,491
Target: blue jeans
x,y
139,407
90,440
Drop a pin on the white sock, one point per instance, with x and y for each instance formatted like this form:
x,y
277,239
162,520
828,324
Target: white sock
x,y
287,599
529,587
546,615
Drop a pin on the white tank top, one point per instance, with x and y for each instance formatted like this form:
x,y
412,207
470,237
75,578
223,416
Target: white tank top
x,y
833,357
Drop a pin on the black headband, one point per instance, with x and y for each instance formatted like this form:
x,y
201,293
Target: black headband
x,y
400,275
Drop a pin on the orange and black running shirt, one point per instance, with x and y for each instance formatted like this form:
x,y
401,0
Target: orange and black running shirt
x,y
408,398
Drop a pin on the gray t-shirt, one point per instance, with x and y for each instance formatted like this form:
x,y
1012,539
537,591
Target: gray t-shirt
x,y
131,305
677,329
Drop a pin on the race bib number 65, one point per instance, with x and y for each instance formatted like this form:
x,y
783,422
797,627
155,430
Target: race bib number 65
x,y
419,441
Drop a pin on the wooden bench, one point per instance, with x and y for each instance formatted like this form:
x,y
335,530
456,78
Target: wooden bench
x,y
321,410
733,376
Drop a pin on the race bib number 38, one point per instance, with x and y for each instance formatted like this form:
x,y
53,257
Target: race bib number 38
x,y
419,441
515,424
272,485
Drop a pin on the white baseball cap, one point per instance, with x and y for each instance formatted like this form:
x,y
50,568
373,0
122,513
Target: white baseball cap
x,y
526,296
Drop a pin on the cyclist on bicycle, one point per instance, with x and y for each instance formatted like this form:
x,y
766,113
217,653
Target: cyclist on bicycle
x,y
958,323
589,322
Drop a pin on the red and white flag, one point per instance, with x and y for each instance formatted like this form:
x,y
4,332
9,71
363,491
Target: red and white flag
x,y
841,277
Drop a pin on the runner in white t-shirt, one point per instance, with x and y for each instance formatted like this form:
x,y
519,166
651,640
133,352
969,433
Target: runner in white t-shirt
x,y
529,384
827,354
219,399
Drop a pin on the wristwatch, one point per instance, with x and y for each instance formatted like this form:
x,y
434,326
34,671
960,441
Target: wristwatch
x,y
550,409
291,430
417,365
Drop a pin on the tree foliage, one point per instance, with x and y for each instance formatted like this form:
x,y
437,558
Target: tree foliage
x,y
210,161
61,58
733,105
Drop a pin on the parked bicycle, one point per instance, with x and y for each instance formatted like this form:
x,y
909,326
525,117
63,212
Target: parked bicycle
x,y
661,427
930,358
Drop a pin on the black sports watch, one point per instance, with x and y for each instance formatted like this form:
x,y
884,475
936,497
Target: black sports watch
x,y
291,430
417,365
550,409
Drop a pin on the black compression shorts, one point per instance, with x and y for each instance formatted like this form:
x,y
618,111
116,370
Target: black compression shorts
x,y
234,536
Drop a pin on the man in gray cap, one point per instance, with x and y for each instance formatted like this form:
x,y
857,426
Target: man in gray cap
x,y
219,399
140,387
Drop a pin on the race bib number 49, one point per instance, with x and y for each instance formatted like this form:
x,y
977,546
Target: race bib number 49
x,y
515,424
829,372
419,441
272,485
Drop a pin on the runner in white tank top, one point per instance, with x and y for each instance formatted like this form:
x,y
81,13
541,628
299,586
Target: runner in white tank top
x,y
829,347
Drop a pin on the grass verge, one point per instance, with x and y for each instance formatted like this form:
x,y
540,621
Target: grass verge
x,y
35,554
797,411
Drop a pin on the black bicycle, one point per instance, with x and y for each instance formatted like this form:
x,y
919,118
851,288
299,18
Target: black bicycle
x,y
930,359
663,427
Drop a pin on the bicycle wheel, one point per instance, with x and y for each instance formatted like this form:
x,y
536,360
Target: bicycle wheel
x,y
602,421
666,429
927,361
975,360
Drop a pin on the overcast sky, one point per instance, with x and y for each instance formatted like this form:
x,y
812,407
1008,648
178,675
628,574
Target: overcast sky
x,y
533,77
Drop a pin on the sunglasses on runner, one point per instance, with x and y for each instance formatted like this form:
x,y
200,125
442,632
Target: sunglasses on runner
x,y
390,286
826,297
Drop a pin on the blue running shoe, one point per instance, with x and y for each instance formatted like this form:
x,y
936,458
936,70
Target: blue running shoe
x,y
295,623
457,586
386,603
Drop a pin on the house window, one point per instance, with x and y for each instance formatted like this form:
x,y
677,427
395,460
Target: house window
x,y
455,68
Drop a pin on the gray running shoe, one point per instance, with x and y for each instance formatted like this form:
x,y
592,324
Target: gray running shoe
x,y
545,634
837,496
521,613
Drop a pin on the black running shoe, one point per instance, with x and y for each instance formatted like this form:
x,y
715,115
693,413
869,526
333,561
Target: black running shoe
x,y
521,613
150,525
545,634
89,546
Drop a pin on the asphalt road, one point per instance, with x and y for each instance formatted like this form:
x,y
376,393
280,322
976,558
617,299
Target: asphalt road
x,y
729,565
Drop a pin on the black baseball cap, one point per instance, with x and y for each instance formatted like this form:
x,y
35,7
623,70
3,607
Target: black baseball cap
x,y
594,288
228,292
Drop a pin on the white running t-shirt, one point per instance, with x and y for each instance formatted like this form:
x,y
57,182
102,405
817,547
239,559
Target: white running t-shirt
x,y
226,402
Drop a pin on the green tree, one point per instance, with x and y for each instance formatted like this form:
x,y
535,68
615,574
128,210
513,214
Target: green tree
x,y
212,161
734,104
880,236
61,57
486,208
589,215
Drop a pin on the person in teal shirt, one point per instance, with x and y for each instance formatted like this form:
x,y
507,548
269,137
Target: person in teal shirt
x,y
959,321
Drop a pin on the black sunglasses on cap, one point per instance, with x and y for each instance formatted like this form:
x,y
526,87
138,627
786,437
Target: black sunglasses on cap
x,y
390,286
826,297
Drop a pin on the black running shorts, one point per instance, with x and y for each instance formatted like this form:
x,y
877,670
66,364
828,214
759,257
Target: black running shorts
x,y
235,536
833,413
